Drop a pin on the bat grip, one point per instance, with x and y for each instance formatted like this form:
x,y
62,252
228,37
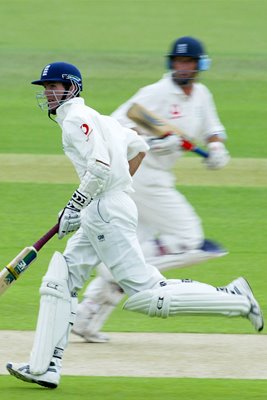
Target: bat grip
x,y
190,147
47,236
200,152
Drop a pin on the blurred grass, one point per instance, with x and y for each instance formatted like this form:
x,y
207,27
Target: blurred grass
x,y
120,45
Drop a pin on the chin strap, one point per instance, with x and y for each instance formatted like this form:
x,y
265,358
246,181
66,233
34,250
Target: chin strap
x,y
52,113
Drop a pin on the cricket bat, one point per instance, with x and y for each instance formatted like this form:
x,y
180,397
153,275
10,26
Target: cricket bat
x,y
21,262
160,127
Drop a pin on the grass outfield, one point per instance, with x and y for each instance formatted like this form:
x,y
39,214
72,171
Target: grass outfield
x,y
230,219
119,45
142,388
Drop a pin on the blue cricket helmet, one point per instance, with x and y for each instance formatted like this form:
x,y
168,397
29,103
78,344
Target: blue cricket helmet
x,y
188,46
60,72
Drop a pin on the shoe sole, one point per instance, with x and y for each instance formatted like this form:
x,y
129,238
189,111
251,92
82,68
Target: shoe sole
x,y
18,375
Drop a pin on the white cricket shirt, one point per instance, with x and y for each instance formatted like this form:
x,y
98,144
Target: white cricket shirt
x,y
88,136
195,115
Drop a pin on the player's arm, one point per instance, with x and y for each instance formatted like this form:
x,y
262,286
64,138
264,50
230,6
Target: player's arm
x,y
218,153
135,162
94,180
136,149
92,184
215,135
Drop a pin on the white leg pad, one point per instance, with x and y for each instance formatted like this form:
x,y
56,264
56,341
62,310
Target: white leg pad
x,y
56,315
179,297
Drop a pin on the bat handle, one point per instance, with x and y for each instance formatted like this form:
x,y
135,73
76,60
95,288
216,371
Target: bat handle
x,y
190,147
44,239
200,152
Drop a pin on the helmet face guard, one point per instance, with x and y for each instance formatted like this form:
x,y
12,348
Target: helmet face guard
x,y
60,97
61,72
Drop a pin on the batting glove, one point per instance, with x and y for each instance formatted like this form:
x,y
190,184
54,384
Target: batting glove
x,y
165,145
69,221
70,218
218,155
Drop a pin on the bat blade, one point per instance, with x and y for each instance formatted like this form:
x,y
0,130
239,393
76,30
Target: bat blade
x,y
160,127
151,121
17,266
12,271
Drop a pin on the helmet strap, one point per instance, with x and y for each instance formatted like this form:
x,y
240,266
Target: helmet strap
x,y
50,113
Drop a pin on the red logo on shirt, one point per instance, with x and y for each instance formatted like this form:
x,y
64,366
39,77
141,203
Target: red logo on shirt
x,y
175,111
86,129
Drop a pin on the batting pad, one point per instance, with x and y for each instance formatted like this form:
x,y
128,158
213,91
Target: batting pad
x,y
55,315
187,298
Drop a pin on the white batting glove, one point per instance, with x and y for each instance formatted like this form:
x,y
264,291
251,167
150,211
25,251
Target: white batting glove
x,y
165,145
69,221
70,218
218,155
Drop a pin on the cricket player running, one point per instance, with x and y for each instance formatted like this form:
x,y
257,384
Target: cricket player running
x,y
169,230
104,216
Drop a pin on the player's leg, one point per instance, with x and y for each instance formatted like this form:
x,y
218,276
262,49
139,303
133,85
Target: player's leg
x,y
178,238
56,314
118,246
168,214
177,219
99,300
103,293
149,292
186,297
65,275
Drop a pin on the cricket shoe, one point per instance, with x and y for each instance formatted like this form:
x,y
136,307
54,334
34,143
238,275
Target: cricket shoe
x,y
241,286
50,379
212,247
97,337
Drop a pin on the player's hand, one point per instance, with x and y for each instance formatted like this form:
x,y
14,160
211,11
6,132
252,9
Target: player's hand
x,y
69,221
218,156
165,145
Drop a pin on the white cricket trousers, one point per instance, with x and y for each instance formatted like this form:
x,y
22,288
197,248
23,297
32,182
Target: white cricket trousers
x,y
164,213
108,234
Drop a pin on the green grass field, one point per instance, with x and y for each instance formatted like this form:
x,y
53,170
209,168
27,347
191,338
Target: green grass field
x,y
132,388
119,46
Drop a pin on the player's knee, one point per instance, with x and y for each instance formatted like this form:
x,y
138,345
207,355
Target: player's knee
x,y
101,291
105,273
152,302
55,281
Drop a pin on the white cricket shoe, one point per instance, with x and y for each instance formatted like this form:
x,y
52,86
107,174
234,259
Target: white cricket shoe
x,y
241,286
49,379
97,337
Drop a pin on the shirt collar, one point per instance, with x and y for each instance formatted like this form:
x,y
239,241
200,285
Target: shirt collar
x,y
63,110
